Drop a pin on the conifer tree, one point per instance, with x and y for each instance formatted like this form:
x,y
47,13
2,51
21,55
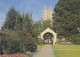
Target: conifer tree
x,y
19,22
10,19
27,23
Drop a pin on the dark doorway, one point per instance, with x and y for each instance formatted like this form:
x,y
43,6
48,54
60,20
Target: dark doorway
x,y
48,38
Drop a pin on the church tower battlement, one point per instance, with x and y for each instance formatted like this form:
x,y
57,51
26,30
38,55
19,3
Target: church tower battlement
x,y
47,14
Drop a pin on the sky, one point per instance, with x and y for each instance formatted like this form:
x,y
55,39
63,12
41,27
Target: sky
x,y
35,6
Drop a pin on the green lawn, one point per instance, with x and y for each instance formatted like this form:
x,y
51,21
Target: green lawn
x,y
66,53
66,47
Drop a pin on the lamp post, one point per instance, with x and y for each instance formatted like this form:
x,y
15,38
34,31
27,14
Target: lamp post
x,y
41,23
51,24
79,30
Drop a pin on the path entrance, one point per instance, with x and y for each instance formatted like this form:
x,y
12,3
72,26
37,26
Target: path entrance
x,y
45,51
48,38
48,30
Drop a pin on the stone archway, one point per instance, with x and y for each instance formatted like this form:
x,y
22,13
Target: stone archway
x,y
50,31
48,38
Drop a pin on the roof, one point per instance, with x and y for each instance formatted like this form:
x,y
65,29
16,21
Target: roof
x,y
48,30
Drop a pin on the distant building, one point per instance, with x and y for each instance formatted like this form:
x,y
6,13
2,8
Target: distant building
x,y
47,14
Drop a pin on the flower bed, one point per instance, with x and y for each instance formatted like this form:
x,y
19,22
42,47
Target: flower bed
x,y
14,55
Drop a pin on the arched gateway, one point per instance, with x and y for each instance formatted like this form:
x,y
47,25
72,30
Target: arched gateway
x,y
48,30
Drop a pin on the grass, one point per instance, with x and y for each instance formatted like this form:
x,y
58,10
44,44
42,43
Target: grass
x,y
66,47
66,53
40,46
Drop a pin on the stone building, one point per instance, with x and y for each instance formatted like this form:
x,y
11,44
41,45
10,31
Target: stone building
x,y
47,14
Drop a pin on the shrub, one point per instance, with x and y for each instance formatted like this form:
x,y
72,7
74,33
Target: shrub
x,y
29,54
59,41
40,46
60,37
15,42
39,41
75,39
28,41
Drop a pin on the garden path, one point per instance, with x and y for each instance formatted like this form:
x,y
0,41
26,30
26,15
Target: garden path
x,y
45,51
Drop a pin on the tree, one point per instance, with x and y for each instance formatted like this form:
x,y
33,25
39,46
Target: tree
x,y
66,17
40,26
28,22
16,36
10,19
19,22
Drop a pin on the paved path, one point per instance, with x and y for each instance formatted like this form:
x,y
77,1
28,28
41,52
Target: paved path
x,y
45,51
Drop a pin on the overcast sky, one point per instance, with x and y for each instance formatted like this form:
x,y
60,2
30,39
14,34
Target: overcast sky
x,y
35,6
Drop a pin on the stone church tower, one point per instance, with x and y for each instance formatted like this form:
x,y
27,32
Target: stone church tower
x,y
47,14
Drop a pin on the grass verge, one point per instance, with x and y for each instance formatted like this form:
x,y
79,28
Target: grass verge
x,y
66,47
67,53
40,46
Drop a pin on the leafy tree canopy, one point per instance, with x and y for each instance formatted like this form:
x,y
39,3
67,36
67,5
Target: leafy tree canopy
x,y
67,17
40,26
